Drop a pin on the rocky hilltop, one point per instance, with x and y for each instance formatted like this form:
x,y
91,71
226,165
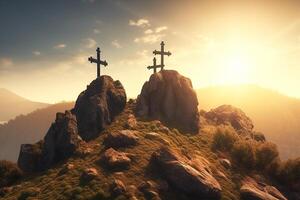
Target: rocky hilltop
x,y
170,98
95,108
106,148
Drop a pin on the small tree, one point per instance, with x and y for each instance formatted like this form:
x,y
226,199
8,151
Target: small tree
x,y
265,154
9,173
290,173
243,151
224,139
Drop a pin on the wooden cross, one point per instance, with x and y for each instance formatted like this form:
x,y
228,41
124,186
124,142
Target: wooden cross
x,y
154,66
98,61
162,53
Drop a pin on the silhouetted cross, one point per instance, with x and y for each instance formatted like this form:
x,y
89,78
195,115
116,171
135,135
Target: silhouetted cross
x,y
98,61
154,66
162,53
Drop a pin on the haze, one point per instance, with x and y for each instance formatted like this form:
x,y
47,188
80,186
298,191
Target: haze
x,y
45,44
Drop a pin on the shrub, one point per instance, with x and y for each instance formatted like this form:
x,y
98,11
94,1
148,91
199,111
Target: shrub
x,y
289,173
243,151
9,173
224,139
265,153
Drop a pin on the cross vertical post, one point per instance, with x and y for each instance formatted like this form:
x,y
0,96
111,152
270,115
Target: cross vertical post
x,y
162,53
98,61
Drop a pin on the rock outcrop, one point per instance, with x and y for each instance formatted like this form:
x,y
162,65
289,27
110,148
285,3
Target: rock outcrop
x,y
116,159
190,176
169,97
30,157
97,106
89,174
61,140
123,138
252,190
229,115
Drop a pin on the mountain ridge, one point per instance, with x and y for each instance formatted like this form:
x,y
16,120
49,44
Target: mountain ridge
x,y
12,105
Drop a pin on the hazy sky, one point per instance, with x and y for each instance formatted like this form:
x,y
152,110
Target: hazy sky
x,y
44,45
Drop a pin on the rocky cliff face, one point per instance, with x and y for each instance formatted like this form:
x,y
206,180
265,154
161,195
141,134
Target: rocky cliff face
x,y
95,108
169,97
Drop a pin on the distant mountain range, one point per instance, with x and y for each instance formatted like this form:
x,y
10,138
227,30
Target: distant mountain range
x,y
274,114
27,129
12,105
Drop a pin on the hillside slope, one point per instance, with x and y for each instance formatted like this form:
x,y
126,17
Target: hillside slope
x,y
12,105
85,176
27,129
276,115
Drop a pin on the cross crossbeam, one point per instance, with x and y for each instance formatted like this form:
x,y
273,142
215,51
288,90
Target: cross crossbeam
x,y
154,66
98,61
162,53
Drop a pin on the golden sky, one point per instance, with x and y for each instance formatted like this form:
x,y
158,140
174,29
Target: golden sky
x,y
44,46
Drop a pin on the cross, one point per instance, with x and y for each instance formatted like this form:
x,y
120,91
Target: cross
x,y
154,66
162,53
98,61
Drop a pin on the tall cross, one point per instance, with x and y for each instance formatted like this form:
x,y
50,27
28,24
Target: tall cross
x,y
154,66
98,61
162,53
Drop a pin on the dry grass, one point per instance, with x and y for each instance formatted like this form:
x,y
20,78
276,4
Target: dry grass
x,y
52,185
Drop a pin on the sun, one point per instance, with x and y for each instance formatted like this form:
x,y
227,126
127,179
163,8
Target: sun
x,y
234,70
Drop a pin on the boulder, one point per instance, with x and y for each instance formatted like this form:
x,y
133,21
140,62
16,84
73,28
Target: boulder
x,y
118,188
116,159
229,115
123,138
89,174
131,122
150,189
190,176
169,97
66,168
61,140
30,157
252,190
97,106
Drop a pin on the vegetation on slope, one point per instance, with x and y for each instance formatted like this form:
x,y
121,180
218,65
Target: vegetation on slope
x,y
274,114
59,183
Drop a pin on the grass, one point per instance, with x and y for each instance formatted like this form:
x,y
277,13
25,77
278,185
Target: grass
x,y
52,185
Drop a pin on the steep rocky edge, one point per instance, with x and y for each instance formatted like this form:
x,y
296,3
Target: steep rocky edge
x,y
95,108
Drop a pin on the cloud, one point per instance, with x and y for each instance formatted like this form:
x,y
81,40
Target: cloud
x,y
140,23
160,29
150,38
143,53
96,31
116,44
36,53
60,46
89,43
148,31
